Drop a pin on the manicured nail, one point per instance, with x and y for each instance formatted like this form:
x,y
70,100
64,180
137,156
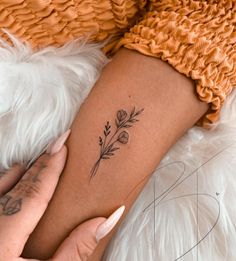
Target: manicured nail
x,y
57,145
109,224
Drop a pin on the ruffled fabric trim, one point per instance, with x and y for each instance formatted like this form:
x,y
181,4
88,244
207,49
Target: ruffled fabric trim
x,y
198,39
55,22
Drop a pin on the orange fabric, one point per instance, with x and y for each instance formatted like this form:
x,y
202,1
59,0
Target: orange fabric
x,y
196,37
55,22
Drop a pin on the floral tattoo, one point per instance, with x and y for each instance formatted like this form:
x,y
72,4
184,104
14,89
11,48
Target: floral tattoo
x,y
108,147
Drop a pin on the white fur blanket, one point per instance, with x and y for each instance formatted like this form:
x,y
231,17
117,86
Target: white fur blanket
x,y
193,215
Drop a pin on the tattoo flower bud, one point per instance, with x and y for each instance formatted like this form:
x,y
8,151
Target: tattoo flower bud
x,y
107,148
121,115
123,137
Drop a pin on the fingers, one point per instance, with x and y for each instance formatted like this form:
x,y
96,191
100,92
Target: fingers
x,y
83,240
23,206
9,178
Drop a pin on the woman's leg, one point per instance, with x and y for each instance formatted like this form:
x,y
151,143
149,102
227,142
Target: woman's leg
x,y
166,104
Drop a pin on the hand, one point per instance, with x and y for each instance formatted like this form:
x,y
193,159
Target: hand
x,y
24,197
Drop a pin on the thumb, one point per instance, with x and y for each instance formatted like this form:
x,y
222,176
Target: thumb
x,y
83,240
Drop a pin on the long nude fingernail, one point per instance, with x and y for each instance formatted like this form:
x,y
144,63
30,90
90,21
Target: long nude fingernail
x,y
57,145
109,224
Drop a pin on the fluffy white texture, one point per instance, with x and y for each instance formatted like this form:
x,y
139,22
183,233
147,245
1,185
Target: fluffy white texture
x,y
40,93
195,191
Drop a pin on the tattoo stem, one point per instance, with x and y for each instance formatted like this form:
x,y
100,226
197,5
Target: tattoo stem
x,y
107,150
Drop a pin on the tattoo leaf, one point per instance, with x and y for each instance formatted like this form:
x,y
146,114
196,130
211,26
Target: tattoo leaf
x,y
132,112
109,147
113,149
100,141
122,121
110,154
138,112
105,157
133,120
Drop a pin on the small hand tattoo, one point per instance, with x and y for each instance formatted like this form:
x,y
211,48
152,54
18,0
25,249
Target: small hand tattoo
x,y
107,149
10,206
28,186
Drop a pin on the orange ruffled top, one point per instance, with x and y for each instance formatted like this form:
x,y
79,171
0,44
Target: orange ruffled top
x,y
196,37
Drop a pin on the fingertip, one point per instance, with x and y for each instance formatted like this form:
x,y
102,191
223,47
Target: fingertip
x,y
110,223
60,155
58,144
56,162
